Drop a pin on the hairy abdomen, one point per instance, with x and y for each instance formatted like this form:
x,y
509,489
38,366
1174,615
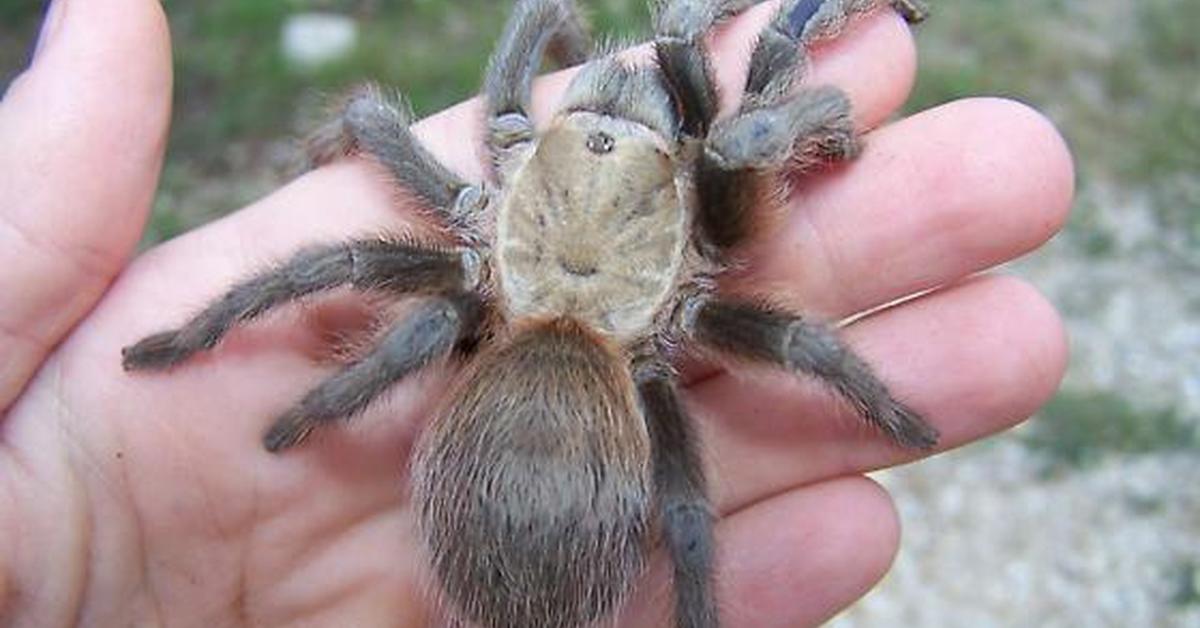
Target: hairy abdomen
x,y
592,227
533,489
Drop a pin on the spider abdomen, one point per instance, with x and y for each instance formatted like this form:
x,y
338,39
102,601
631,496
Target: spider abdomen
x,y
533,488
592,227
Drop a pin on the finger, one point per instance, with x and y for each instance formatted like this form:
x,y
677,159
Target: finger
x,y
974,359
81,139
793,560
934,198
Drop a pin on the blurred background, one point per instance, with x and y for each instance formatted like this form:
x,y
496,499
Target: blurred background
x,y
1089,515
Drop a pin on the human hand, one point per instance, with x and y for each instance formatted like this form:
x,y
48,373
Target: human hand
x,y
147,499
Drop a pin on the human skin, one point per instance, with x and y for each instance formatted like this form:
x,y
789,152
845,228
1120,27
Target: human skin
x,y
147,499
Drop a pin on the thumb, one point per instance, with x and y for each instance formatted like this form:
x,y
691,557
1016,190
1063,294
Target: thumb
x,y
82,133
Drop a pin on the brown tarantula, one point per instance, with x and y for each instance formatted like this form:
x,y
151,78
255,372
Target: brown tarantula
x,y
579,275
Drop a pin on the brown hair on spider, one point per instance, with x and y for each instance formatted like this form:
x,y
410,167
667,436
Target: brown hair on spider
x,y
581,271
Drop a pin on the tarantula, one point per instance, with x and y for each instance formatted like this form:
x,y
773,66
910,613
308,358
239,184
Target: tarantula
x,y
577,277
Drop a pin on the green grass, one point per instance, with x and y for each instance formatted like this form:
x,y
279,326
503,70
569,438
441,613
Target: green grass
x,y
1187,585
1121,87
20,15
1079,429
986,48
18,31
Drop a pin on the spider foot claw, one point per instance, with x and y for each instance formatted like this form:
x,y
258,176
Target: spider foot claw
x,y
159,351
913,11
908,429
288,431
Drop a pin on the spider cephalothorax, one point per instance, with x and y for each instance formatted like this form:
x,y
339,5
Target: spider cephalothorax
x,y
580,273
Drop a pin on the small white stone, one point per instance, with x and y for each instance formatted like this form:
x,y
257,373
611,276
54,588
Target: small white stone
x,y
314,39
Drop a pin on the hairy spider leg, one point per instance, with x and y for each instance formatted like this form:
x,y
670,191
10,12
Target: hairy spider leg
x,y
382,265
740,169
780,58
679,30
428,333
571,43
536,27
777,124
770,335
737,172
681,497
378,125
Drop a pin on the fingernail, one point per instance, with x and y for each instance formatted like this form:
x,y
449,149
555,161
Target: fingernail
x,y
50,26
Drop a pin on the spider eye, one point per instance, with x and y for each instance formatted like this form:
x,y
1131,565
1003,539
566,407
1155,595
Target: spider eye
x,y
600,142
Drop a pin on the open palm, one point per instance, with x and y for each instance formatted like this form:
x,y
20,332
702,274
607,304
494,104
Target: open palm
x,y
148,500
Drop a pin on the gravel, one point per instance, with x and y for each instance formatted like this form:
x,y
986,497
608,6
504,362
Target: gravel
x,y
992,540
